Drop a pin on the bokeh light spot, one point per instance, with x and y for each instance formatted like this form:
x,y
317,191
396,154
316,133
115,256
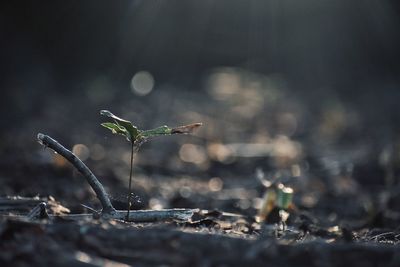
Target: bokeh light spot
x,y
215,184
81,151
97,152
220,152
192,153
142,83
155,204
185,191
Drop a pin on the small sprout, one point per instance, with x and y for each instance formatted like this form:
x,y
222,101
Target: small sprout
x,y
138,137
277,197
284,197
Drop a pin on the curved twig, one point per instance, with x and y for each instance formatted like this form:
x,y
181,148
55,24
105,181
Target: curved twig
x,y
82,168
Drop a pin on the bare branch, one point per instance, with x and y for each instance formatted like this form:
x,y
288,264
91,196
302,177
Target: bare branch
x,y
155,215
82,168
138,215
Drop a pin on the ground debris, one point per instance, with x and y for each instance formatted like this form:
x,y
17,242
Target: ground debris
x,y
69,243
23,205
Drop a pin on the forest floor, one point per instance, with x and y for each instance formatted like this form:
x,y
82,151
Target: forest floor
x,y
346,208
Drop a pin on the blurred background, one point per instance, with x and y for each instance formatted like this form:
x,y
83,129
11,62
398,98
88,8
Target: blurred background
x,y
303,90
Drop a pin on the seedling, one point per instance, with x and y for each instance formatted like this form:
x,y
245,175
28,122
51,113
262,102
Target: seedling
x,y
277,197
138,137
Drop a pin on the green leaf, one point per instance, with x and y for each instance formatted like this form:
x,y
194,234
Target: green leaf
x,y
125,127
115,128
162,130
165,130
132,131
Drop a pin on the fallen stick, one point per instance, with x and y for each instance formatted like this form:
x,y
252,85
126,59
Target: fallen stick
x,y
38,212
82,168
108,211
155,215
18,203
138,215
134,216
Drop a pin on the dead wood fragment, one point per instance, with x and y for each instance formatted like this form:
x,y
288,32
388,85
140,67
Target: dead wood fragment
x,y
17,203
82,168
38,212
138,215
22,205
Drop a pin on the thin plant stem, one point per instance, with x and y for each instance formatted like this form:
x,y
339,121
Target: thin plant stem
x,y
130,182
